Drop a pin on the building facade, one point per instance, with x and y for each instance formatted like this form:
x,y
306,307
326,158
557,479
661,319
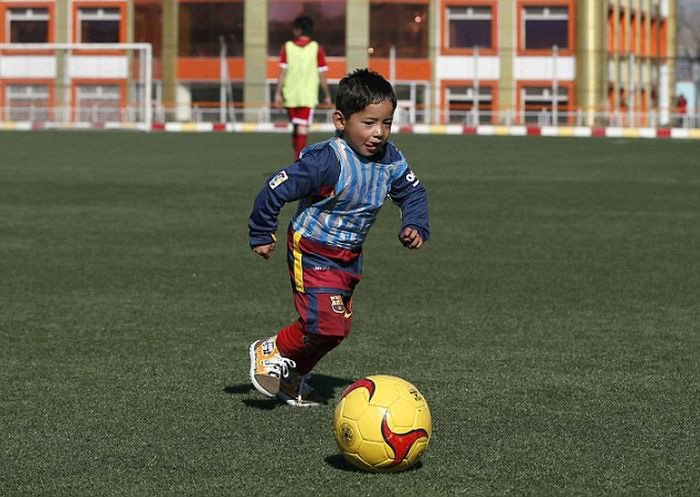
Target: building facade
x,y
585,62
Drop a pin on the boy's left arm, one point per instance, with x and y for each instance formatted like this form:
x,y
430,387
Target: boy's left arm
x,y
410,195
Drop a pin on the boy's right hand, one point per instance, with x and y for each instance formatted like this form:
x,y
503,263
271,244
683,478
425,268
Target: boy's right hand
x,y
265,251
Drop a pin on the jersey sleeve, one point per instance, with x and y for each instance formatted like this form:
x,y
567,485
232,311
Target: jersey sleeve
x,y
412,198
312,175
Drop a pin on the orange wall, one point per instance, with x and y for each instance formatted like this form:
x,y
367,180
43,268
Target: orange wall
x,y
208,68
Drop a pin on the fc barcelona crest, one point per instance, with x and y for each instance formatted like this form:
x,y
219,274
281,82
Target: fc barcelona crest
x,y
337,304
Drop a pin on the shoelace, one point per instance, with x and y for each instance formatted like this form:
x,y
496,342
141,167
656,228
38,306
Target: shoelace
x,y
285,365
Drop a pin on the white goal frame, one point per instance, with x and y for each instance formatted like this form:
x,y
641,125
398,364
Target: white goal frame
x,y
144,109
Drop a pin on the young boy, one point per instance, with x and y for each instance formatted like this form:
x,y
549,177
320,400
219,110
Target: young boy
x,y
341,184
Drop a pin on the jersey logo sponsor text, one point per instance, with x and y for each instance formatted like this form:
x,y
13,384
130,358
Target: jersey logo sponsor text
x,y
279,178
411,178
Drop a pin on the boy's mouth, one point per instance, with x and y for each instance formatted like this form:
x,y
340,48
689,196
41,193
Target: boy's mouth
x,y
373,147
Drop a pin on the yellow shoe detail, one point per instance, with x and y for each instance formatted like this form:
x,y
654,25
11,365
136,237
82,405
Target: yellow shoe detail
x,y
267,366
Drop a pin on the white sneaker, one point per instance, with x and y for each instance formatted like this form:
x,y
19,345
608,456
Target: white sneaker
x,y
267,366
295,391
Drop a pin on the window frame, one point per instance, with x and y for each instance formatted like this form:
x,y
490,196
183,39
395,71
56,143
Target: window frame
x,y
571,23
28,10
445,86
5,8
81,82
444,20
569,86
79,6
7,83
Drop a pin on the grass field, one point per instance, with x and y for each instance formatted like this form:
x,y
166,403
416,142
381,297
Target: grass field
x,y
552,321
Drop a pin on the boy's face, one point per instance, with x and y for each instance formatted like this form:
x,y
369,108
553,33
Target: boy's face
x,y
367,131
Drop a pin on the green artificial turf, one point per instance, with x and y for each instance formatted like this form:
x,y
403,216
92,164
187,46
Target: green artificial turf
x,y
552,321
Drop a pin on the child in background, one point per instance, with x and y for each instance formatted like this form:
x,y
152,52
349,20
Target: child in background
x,y
302,69
341,184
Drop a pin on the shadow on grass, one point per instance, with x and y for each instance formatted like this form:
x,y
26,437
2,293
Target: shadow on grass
x,y
325,388
337,461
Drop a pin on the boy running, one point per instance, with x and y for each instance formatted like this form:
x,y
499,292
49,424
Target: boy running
x,y
340,184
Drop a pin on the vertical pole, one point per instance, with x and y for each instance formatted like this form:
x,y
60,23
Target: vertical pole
x,y
148,87
475,105
392,65
256,95
169,58
356,34
631,97
223,72
555,86
433,100
669,61
2,89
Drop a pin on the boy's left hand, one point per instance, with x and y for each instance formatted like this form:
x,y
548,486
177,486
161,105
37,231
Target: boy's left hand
x,y
410,238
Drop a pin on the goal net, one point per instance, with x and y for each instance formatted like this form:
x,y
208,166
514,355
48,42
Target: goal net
x,y
76,85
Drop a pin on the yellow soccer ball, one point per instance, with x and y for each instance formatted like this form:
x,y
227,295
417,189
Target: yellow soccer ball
x,y
382,424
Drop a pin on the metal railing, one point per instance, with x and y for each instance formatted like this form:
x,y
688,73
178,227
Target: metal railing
x,y
100,114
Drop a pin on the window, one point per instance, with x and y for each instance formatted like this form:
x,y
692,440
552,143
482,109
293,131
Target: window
x,y
539,101
463,102
403,25
329,24
27,102
28,25
545,27
411,102
98,103
469,27
204,26
99,25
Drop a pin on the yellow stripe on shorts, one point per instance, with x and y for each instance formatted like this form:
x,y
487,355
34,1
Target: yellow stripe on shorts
x,y
298,267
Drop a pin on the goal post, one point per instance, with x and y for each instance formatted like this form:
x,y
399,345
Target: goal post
x,y
77,84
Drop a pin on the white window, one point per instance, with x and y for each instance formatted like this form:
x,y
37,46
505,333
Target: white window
x,y
28,25
27,102
545,27
470,105
99,25
469,27
98,103
539,102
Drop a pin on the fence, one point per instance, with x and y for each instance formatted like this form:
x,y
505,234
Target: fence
x,y
101,114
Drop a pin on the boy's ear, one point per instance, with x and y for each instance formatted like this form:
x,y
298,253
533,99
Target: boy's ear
x,y
338,120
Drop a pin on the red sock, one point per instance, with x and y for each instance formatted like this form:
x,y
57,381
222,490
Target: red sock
x,y
304,348
299,142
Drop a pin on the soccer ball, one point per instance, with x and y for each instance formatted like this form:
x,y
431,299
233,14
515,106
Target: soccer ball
x,y
382,424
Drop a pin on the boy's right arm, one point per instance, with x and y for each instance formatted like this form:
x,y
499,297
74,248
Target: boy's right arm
x,y
306,177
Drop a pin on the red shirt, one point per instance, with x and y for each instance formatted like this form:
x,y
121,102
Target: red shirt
x,y
302,41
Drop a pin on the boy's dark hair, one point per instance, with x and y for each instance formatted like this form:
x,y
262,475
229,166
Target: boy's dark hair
x,y
304,24
360,88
